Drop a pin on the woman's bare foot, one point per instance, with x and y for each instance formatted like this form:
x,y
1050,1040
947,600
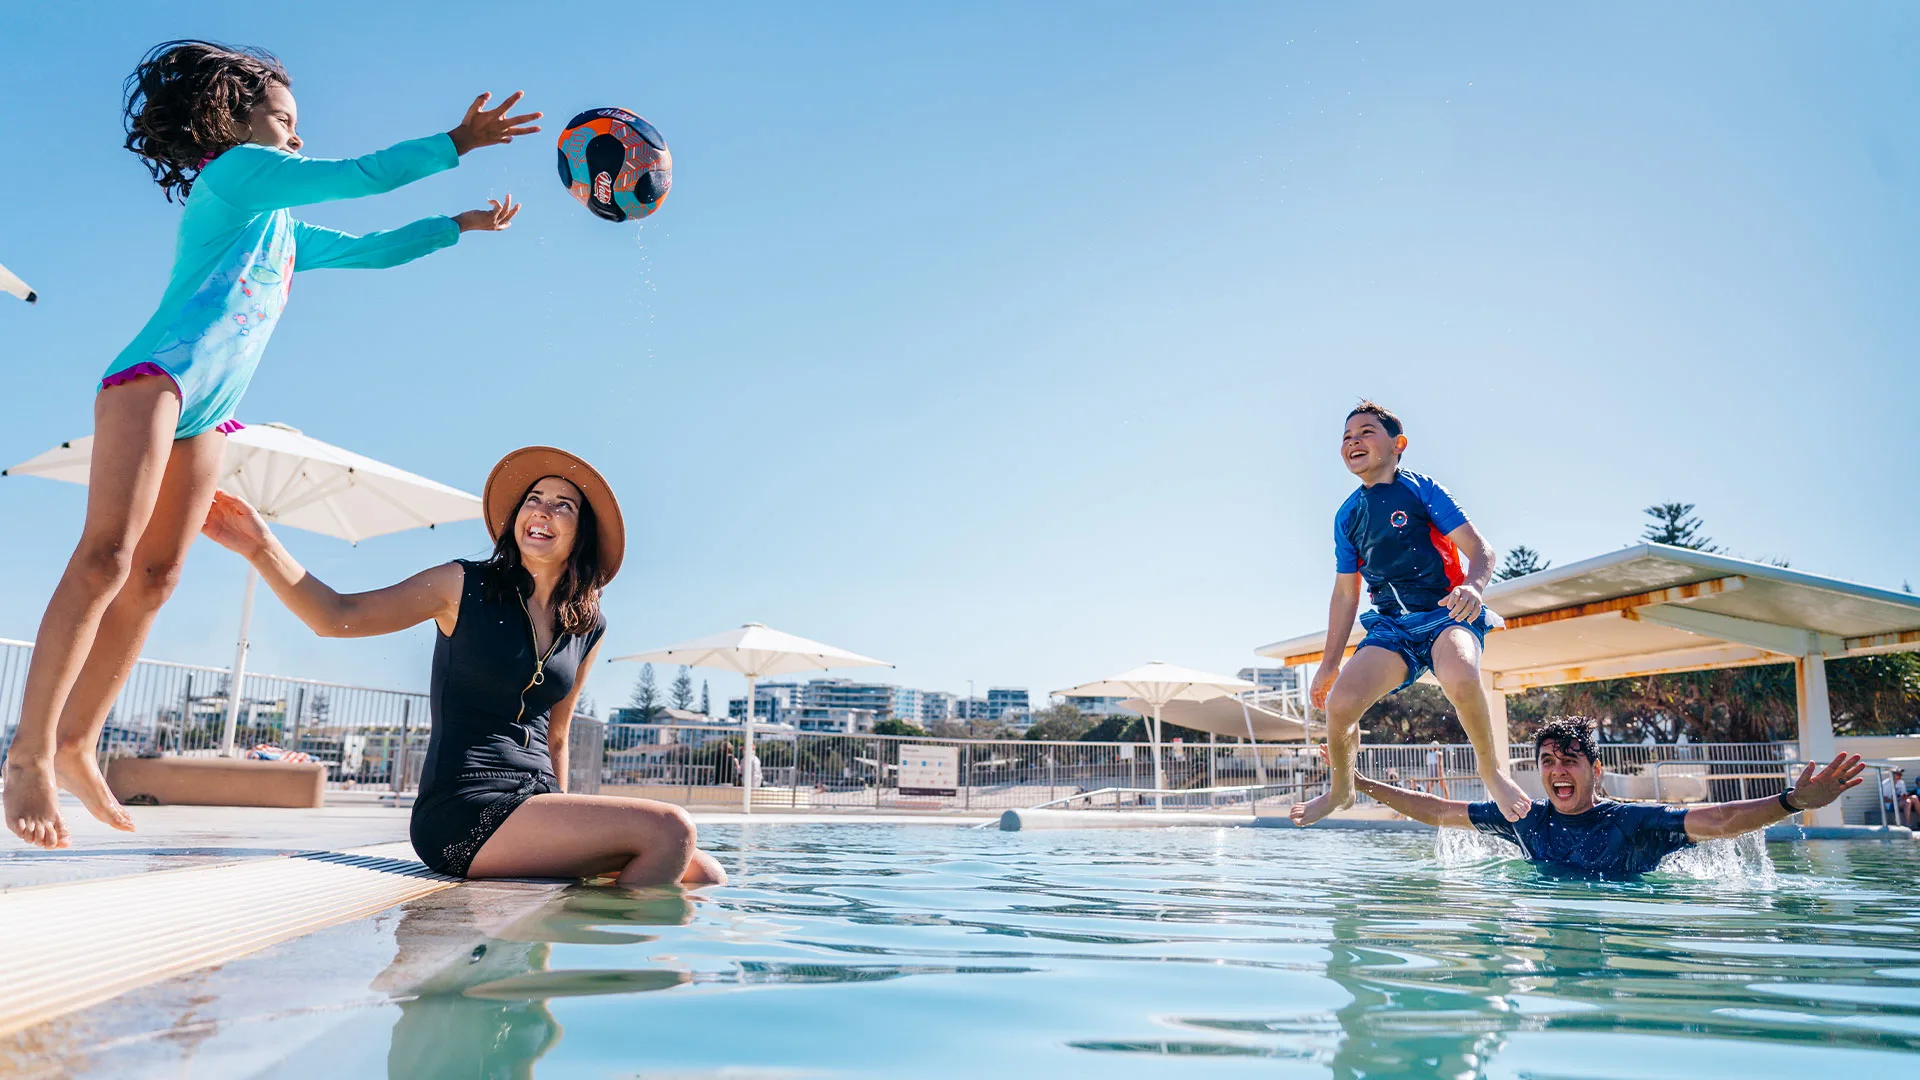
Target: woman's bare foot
x,y
703,870
1514,803
1306,813
76,770
32,803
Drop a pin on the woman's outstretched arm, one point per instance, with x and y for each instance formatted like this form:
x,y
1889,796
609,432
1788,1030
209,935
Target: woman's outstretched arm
x,y
431,594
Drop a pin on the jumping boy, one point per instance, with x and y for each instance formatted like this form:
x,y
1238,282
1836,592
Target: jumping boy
x,y
1406,537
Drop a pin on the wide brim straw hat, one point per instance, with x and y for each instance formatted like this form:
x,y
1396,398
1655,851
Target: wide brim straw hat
x,y
518,471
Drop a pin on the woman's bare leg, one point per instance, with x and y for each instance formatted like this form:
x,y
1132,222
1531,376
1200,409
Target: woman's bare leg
x,y
186,490
133,426
642,841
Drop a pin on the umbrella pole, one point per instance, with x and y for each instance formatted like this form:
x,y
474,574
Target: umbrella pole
x,y
229,728
746,759
1259,767
1159,781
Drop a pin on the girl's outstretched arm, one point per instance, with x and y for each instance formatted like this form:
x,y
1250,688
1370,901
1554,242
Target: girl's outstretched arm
x,y
317,248
431,594
259,178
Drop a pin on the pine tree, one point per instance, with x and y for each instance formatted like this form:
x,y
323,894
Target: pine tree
x,y
706,700
1672,524
682,694
646,696
1520,562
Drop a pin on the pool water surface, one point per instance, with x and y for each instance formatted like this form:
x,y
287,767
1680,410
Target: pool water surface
x,y
871,950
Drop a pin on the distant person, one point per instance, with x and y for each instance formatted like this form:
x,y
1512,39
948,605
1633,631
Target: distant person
x,y
1424,566
518,633
215,126
1897,797
727,772
1573,829
1436,781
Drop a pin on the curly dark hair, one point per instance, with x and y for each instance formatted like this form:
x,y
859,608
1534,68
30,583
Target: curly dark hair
x,y
576,599
188,101
1569,735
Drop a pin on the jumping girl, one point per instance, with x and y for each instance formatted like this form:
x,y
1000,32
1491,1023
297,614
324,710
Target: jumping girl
x,y
216,126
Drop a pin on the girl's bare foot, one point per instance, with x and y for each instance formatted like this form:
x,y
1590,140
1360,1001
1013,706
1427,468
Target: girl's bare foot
x,y
1514,803
1306,813
76,770
32,804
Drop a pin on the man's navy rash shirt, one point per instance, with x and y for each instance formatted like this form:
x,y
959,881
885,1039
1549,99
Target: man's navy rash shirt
x,y
1614,840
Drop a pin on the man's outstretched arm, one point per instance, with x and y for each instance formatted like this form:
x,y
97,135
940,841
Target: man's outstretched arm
x,y
1418,805
1812,791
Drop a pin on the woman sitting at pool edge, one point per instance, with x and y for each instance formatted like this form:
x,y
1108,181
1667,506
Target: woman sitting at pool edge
x,y
1573,830
518,634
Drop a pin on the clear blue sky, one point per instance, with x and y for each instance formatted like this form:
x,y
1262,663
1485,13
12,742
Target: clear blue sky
x,y
1012,342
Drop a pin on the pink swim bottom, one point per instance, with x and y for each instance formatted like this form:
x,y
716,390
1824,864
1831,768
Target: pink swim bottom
x,y
227,427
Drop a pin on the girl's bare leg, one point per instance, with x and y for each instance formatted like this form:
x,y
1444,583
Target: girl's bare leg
x,y
644,842
186,490
133,426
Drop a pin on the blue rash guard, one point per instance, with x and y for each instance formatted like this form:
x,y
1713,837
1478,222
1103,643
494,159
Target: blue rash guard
x,y
1613,841
238,250
1395,535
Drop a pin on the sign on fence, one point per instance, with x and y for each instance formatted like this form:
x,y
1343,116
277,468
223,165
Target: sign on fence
x,y
929,770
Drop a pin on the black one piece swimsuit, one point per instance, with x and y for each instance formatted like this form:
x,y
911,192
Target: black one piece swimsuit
x,y
491,699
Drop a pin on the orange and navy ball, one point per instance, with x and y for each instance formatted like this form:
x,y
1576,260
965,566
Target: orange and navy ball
x,y
615,163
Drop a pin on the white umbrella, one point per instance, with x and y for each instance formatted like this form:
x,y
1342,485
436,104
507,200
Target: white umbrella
x,y
303,483
1227,715
1156,685
11,284
756,652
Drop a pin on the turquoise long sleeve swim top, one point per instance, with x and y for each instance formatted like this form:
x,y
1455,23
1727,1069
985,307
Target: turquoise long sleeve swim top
x,y
239,249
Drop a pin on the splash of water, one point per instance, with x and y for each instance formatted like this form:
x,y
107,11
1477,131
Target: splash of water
x,y
1465,847
1740,862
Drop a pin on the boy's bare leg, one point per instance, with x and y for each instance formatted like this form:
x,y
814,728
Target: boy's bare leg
x,y
1456,663
1372,674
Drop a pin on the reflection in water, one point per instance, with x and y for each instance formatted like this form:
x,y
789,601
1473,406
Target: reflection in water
x,y
943,952
475,1005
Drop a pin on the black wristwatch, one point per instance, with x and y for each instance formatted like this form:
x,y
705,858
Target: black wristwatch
x,y
1784,801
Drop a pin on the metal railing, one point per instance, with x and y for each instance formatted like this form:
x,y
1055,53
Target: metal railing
x,y
823,770
366,737
377,739
1162,799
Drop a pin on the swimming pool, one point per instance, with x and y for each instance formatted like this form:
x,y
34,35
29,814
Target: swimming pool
x,y
872,950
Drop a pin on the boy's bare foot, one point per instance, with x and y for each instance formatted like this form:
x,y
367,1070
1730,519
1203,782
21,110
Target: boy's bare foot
x,y
76,770
1306,813
1513,802
32,804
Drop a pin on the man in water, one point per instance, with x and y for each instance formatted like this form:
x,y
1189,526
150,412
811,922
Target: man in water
x,y
1573,830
